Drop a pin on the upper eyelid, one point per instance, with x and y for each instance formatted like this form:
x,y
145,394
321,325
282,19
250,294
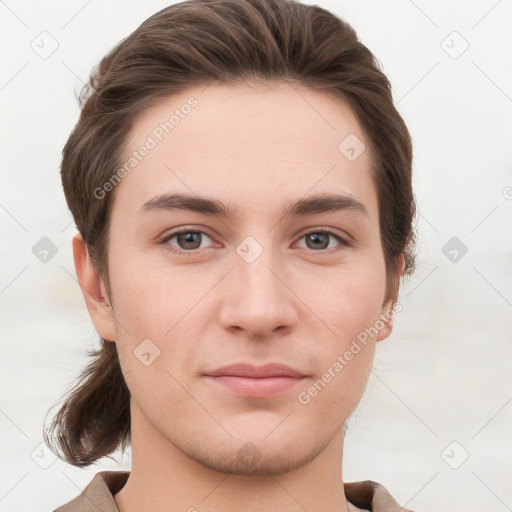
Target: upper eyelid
x,y
179,231
322,229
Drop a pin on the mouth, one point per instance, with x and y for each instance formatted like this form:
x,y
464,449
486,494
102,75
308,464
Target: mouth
x,y
255,382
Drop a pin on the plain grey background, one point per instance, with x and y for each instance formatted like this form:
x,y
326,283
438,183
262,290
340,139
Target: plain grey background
x,y
434,425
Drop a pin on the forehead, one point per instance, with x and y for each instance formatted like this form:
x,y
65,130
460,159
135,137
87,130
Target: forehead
x,y
258,142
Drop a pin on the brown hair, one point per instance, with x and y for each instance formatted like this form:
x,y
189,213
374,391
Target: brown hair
x,y
193,43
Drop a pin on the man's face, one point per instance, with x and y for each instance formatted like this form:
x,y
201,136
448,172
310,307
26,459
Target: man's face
x,y
253,288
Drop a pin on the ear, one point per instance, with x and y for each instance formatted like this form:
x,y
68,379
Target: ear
x,y
387,311
95,294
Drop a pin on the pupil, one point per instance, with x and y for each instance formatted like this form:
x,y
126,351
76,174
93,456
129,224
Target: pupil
x,y
190,238
316,237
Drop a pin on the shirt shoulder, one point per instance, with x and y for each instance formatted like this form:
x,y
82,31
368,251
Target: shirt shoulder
x,y
98,496
369,495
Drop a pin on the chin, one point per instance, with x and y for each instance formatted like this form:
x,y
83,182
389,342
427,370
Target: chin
x,y
255,451
252,461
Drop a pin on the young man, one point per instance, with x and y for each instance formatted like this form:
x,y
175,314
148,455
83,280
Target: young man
x,y
241,183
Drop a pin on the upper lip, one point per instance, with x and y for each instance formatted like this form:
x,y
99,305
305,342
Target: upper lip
x,y
256,372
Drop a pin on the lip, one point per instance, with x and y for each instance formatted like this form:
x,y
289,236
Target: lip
x,y
255,372
256,382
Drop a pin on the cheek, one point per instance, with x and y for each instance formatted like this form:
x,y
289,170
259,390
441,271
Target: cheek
x,y
151,297
348,304
342,373
158,312
346,299
155,336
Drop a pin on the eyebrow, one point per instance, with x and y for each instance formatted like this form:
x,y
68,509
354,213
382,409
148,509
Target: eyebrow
x,y
320,203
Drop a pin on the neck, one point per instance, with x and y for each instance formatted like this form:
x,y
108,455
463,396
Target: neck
x,y
164,478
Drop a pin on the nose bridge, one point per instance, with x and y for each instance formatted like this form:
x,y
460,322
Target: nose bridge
x,y
257,300
259,280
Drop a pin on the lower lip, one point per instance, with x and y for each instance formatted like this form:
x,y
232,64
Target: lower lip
x,y
256,388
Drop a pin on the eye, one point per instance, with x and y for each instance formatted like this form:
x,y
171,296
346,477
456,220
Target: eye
x,y
187,241
321,240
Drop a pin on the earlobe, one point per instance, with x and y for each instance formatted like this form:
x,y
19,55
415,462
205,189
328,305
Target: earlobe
x,y
388,311
96,299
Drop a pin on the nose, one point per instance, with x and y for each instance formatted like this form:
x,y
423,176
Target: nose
x,y
258,297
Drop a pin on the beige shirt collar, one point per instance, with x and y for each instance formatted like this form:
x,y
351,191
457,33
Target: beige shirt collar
x,y
98,496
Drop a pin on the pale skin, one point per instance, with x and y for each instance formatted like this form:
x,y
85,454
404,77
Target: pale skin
x,y
256,148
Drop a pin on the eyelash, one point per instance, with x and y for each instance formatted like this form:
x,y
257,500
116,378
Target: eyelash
x,y
342,242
